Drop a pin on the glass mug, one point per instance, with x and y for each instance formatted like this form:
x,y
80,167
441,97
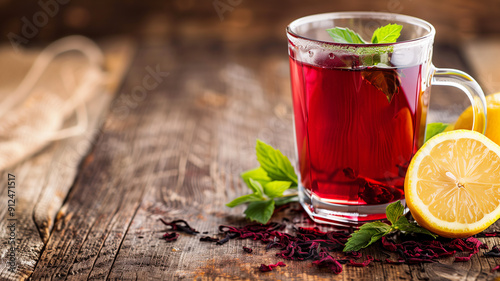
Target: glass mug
x,y
360,111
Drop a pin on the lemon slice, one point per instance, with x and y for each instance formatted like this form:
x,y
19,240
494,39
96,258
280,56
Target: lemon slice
x,y
493,109
452,185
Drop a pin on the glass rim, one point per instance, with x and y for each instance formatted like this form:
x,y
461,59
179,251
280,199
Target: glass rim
x,y
431,31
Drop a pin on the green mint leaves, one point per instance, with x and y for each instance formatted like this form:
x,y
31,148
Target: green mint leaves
x,y
345,35
369,56
387,34
276,165
260,211
382,35
268,184
433,129
371,232
366,235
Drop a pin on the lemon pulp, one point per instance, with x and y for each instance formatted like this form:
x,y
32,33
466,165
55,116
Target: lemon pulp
x,y
453,184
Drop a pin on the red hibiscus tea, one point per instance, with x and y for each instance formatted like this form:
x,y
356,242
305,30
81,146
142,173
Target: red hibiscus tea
x,y
360,109
356,130
359,113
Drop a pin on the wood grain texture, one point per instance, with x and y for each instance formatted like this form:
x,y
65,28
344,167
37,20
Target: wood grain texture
x,y
44,181
177,154
173,145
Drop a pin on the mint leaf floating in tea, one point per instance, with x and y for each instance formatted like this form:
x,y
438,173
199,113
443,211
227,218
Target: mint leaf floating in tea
x,y
269,184
386,81
387,34
382,35
433,129
345,35
371,232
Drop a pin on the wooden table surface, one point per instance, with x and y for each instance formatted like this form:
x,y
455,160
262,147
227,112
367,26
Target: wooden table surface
x,y
89,207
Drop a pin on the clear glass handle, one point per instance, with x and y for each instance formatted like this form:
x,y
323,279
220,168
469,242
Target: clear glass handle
x,y
463,81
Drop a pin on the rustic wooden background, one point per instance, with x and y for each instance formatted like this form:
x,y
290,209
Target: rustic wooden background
x,y
241,21
89,206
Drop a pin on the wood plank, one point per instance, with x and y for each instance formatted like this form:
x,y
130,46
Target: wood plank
x,y
215,262
187,154
44,180
177,154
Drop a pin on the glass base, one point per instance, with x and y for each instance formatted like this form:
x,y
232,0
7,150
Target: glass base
x,y
340,215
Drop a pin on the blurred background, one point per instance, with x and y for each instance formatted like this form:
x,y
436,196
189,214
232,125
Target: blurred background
x,y
239,31
240,22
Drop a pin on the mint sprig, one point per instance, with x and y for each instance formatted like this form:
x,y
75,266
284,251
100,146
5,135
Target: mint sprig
x,y
345,35
268,184
370,56
371,232
433,129
387,34
276,165
260,211
382,35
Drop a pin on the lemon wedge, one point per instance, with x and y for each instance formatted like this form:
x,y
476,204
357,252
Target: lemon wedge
x,y
493,121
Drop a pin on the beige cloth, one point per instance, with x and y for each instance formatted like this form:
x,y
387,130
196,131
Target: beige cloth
x,y
40,90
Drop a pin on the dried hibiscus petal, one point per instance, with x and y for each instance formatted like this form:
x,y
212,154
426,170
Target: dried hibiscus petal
x,y
399,261
491,234
371,191
349,173
329,262
389,245
248,250
413,252
180,225
316,245
171,237
209,239
471,244
495,252
376,193
226,239
267,268
354,254
368,260
386,81
308,244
